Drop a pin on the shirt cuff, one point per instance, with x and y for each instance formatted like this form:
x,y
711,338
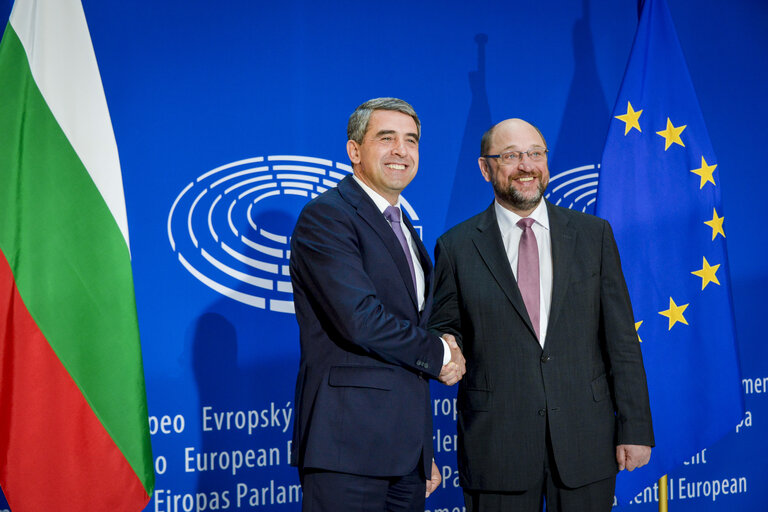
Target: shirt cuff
x,y
446,352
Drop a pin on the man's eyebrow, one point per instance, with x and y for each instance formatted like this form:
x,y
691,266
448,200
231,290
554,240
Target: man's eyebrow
x,y
390,132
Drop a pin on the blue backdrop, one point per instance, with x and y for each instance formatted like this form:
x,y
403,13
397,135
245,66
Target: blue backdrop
x,y
260,93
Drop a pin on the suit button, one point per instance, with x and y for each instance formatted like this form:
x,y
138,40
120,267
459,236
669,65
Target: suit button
x,y
426,366
542,412
545,358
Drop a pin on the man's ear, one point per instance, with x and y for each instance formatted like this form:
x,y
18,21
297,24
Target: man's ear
x,y
353,151
483,163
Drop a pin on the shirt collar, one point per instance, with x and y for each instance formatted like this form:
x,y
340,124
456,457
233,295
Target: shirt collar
x,y
377,199
508,219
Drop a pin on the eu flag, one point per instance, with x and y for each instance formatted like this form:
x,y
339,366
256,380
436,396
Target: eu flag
x,y
659,187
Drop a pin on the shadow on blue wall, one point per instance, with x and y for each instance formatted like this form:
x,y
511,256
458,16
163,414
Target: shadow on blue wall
x,y
470,192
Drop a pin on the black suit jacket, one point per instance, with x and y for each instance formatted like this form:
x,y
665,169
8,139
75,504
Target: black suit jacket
x,y
588,383
362,394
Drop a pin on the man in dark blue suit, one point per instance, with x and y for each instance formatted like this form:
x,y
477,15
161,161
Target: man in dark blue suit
x,y
362,284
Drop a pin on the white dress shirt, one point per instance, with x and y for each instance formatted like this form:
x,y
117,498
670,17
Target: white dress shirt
x,y
510,235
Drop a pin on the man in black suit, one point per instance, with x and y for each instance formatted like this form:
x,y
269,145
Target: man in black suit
x,y
362,284
555,397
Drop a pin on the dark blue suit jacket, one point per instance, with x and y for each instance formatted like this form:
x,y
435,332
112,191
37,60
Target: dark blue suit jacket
x,y
362,393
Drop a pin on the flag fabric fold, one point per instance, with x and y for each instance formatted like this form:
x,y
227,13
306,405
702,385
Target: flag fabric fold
x,y
73,414
659,187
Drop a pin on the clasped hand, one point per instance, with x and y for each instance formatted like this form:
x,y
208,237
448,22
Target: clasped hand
x,y
454,370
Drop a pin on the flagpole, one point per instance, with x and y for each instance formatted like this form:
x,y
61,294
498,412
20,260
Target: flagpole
x,y
663,494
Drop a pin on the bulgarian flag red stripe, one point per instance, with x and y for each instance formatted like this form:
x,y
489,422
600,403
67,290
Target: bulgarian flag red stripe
x,y
73,415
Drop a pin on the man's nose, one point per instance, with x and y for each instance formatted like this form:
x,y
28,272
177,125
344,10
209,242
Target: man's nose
x,y
399,148
524,164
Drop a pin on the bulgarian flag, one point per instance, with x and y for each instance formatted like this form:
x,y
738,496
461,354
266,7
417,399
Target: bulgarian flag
x,y
73,413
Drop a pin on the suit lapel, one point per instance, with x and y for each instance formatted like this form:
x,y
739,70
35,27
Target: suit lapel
x,y
563,238
367,210
488,242
426,266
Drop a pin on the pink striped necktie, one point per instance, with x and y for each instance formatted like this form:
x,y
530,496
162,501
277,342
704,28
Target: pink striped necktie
x,y
528,271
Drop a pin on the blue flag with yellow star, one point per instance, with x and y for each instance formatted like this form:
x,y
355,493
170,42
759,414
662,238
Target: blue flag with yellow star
x,y
659,188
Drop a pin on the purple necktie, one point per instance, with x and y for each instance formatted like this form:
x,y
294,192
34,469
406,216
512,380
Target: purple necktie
x,y
392,213
528,271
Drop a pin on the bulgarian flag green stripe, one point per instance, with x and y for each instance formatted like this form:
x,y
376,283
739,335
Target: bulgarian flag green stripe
x,y
68,326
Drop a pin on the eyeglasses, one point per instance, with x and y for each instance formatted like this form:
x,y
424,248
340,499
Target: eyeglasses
x,y
511,157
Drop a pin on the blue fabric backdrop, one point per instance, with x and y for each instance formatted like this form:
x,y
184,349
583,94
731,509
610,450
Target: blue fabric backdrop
x,y
193,86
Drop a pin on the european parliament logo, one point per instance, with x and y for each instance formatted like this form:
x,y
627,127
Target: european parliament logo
x,y
231,226
575,188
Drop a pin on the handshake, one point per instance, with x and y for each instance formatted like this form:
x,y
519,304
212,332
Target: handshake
x,y
453,370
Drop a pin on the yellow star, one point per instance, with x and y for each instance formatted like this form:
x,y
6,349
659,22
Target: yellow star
x,y
674,313
707,274
716,224
705,171
637,328
630,119
672,134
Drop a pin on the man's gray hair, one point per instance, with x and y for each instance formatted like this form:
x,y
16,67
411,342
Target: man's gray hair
x,y
358,121
485,142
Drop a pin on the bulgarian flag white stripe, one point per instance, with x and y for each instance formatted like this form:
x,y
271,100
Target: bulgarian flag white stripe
x,y
57,42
